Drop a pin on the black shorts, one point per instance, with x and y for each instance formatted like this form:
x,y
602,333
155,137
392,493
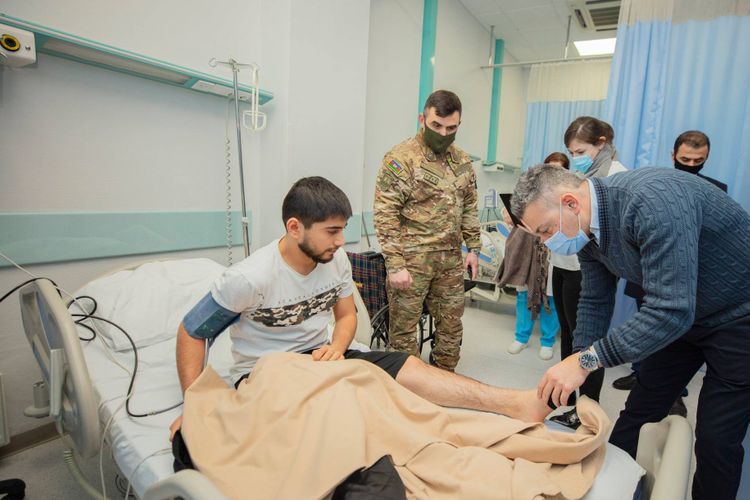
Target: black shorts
x,y
391,362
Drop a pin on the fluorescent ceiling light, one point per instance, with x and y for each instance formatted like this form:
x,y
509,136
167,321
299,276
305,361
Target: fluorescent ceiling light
x,y
596,47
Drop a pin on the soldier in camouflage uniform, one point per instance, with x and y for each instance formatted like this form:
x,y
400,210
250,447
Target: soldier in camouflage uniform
x,y
425,205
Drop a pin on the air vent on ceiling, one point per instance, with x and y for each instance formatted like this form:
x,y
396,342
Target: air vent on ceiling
x,y
596,15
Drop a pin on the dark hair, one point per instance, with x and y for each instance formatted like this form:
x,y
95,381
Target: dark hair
x,y
589,129
315,199
561,158
693,138
445,103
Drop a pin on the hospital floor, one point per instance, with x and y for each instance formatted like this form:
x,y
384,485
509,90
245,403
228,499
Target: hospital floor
x,y
488,331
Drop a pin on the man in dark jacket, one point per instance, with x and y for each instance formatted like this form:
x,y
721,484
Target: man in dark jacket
x,y
690,153
687,244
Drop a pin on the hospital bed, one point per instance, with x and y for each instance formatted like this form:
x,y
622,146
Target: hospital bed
x,y
88,382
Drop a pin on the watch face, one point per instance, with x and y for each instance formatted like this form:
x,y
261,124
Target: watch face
x,y
588,361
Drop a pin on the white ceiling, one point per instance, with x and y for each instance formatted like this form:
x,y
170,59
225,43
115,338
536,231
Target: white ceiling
x,y
532,29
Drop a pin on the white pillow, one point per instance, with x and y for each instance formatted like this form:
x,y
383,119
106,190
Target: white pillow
x,y
619,477
150,301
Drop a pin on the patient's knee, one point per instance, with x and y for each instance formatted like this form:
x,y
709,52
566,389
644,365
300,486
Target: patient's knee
x,y
413,367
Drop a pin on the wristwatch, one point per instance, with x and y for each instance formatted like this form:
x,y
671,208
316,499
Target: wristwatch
x,y
588,359
475,251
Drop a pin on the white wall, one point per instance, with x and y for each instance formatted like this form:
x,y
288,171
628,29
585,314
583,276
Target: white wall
x,y
79,138
320,49
392,82
462,47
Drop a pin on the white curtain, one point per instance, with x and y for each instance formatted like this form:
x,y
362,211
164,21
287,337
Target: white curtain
x,y
557,94
573,81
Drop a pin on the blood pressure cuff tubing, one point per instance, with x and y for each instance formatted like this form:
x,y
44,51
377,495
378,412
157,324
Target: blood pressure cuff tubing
x,y
208,319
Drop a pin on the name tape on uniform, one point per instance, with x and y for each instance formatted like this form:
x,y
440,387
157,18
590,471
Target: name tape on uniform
x,y
432,179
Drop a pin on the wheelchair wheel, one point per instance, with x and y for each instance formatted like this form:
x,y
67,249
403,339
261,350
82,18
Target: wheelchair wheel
x,y
425,326
379,325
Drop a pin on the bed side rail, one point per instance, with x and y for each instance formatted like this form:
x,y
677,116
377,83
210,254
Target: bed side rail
x,y
665,450
188,484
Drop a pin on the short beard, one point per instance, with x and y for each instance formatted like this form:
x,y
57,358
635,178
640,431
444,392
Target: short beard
x,y
317,258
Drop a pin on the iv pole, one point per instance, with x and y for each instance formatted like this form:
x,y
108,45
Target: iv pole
x,y
236,67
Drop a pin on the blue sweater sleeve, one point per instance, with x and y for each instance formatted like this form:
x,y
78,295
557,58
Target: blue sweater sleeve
x,y
665,224
596,302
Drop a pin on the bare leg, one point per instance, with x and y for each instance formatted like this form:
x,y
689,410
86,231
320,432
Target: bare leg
x,y
456,391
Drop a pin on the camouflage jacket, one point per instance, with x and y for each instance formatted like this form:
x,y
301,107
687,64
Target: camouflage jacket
x,y
424,202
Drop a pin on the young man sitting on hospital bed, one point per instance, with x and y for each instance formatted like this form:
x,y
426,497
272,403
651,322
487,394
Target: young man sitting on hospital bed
x,y
280,298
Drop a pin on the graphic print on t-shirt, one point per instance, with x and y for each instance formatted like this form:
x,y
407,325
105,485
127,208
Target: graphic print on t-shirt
x,y
295,314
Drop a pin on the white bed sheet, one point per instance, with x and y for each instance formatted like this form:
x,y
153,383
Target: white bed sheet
x,y
156,387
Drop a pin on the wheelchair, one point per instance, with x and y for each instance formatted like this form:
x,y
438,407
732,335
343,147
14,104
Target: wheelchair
x,y
425,326
381,321
369,275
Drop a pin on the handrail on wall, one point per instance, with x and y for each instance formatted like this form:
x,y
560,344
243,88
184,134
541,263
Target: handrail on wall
x,y
60,44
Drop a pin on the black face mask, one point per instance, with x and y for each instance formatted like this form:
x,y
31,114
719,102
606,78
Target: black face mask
x,y
686,168
436,142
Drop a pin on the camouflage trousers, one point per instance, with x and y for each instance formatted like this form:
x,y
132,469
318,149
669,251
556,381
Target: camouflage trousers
x,y
438,280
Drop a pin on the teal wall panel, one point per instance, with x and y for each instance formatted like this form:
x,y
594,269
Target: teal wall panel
x,y
497,75
40,238
354,232
35,238
369,223
427,57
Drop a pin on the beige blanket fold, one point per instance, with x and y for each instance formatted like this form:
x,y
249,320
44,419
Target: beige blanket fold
x,y
296,428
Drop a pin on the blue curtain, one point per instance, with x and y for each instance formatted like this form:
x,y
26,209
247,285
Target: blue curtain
x,y
668,78
546,123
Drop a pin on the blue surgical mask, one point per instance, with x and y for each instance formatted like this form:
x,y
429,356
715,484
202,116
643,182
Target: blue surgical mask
x,y
563,245
582,163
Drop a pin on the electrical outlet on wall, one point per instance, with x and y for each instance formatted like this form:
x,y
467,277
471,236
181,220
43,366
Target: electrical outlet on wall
x,y
17,47
4,432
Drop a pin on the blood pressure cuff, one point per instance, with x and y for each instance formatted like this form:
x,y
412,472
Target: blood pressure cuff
x,y
208,319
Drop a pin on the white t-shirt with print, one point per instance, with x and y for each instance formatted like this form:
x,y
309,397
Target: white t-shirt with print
x,y
280,309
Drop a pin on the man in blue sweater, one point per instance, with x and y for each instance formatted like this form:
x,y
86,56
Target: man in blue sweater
x,y
689,154
688,245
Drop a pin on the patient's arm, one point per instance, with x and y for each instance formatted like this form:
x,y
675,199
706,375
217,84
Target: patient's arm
x,y
345,313
190,352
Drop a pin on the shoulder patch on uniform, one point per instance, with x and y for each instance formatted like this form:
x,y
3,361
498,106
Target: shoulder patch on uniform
x,y
395,167
385,182
464,169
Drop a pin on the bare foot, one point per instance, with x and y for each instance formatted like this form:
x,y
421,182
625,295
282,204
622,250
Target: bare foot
x,y
531,408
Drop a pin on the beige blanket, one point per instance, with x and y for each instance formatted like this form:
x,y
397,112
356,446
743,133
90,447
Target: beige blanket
x,y
296,428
